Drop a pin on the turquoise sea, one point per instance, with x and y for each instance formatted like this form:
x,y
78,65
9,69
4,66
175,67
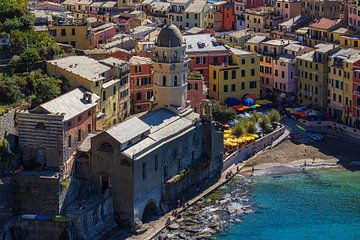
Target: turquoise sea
x,y
322,204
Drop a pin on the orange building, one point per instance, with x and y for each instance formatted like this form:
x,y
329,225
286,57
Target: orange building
x,y
141,83
229,16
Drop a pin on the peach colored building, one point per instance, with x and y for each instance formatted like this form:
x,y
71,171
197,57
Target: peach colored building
x,y
288,8
101,34
141,83
196,90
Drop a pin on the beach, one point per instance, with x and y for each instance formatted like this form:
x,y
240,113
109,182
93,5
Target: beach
x,y
289,156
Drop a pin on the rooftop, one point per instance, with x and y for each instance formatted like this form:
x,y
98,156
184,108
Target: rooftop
x,y
136,60
111,61
239,52
128,130
349,55
196,6
70,104
324,23
202,43
85,67
295,47
279,42
256,39
164,125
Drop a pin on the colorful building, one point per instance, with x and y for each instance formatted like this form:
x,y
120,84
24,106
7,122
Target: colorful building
x,y
322,8
108,79
321,31
285,70
141,83
239,9
196,91
356,96
352,41
288,8
262,19
216,16
237,78
313,76
340,84
229,16
50,133
353,18
101,34
204,50
76,35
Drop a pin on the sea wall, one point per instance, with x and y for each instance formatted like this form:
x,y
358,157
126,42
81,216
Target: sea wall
x,y
336,129
259,144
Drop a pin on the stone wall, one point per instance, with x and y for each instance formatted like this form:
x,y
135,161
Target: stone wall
x,y
36,195
7,123
244,152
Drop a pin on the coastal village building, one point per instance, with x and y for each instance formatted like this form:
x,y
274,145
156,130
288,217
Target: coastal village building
x,y
271,50
76,35
108,79
143,159
186,14
262,19
288,8
340,84
49,133
237,78
216,16
321,31
322,8
197,90
356,97
313,71
353,17
239,9
204,50
141,83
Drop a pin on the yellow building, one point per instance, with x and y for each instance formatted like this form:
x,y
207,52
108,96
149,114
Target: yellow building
x,y
312,76
236,79
75,35
350,41
262,19
108,79
340,83
323,31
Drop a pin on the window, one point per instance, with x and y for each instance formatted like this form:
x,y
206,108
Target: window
x,y
175,54
282,74
63,32
233,74
164,81
79,135
252,72
156,163
165,170
276,73
69,141
79,118
114,90
339,98
225,88
243,61
104,95
144,170
106,147
138,96
252,60
42,125
214,74
175,81
243,73
242,86
214,88
89,128
252,84
233,87
226,77
114,107
137,69
73,32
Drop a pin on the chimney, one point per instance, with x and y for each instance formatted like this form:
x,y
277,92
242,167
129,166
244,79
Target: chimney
x,y
87,97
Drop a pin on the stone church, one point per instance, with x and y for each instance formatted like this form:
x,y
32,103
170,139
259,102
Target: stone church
x,y
152,162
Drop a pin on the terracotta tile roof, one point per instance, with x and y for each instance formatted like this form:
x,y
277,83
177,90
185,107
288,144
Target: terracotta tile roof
x,y
324,23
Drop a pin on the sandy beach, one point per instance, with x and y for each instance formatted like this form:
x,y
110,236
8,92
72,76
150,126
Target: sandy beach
x,y
289,156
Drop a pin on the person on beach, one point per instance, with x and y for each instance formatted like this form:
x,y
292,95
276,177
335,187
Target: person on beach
x,y
304,163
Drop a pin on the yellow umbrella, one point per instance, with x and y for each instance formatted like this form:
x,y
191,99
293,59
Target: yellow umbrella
x,y
226,135
227,131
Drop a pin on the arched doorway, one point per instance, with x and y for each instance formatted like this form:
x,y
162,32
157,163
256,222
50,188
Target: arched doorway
x,y
150,212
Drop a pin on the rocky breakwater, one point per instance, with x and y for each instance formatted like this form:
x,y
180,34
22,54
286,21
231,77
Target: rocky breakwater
x,y
213,214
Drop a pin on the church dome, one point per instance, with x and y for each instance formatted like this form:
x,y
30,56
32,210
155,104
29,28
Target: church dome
x,y
169,36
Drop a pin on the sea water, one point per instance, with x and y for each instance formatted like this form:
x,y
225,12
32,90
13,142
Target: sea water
x,y
321,204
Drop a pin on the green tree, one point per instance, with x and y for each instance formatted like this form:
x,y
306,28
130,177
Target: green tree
x,y
238,130
9,90
222,113
265,123
29,57
274,115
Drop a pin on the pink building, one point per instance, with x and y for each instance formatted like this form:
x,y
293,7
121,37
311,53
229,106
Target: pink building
x,y
285,79
101,34
288,8
196,90
353,18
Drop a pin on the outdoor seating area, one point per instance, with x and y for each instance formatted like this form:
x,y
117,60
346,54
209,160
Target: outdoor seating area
x,y
306,113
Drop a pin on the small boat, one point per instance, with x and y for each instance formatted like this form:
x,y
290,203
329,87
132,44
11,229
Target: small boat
x,y
301,128
43,217
28,216
59,218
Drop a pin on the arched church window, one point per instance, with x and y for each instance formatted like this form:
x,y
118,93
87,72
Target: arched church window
x,y
106,147
164,81
40,125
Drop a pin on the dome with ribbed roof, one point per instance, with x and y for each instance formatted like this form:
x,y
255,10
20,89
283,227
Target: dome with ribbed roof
x,y
170,36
